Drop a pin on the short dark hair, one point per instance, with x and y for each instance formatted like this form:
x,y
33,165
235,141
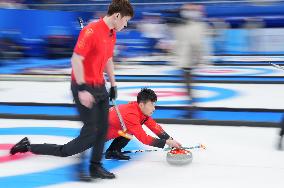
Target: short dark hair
x,y
146,95
120,6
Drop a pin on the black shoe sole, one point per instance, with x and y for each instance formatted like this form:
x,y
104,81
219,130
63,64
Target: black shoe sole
x,y
95,176
117,159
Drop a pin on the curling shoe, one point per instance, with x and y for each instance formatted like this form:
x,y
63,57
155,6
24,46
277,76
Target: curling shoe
x,y
97,171
115,154
21,147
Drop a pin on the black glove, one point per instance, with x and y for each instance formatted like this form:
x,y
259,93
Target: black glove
x,y
113,92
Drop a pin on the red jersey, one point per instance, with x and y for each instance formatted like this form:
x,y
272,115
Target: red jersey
x,y
134,119
96,44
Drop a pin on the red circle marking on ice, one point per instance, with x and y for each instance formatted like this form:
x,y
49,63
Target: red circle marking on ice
x,y
9,157
220,71
165,93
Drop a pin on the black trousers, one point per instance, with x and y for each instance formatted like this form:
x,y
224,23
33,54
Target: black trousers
x,y
92,134
118,143
188,79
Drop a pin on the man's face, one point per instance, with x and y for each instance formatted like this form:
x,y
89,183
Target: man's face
x,y
147,108
120,22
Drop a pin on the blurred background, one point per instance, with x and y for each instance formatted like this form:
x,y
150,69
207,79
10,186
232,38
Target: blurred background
x,y
48,28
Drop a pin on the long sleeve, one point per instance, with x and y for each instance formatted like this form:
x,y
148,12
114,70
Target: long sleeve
x,y
156,128
134,127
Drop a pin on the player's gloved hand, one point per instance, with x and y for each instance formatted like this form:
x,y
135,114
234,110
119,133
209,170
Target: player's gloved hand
x,y
113,92
173,143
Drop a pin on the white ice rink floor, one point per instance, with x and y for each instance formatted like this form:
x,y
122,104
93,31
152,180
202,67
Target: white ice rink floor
x,y
235,157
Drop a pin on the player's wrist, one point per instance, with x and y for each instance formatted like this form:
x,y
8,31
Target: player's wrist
x,y
168,142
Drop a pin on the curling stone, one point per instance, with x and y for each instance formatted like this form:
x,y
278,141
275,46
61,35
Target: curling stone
x,y
179,157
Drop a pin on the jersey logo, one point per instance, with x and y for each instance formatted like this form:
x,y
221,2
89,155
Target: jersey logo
x,y
86,34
